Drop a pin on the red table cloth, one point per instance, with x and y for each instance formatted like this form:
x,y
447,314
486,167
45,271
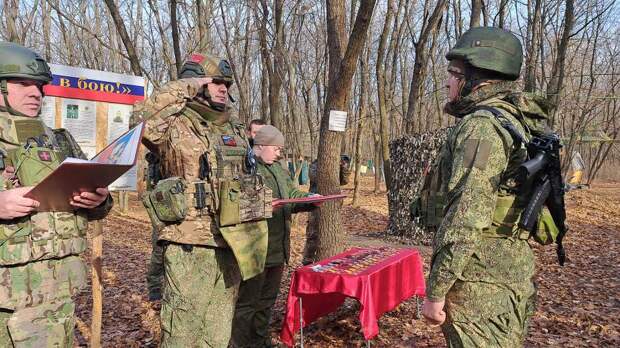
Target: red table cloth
x,y
379,278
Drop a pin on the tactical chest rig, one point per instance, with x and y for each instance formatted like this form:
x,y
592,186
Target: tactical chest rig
x,y
430,206
31,148
212,183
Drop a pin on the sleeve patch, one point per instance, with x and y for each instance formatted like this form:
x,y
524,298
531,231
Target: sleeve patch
x,y
476,153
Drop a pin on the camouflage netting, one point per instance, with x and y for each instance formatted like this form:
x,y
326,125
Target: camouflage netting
x,y
409,157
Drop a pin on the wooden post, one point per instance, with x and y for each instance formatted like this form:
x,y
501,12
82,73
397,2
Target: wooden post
x,y
123,201
96,262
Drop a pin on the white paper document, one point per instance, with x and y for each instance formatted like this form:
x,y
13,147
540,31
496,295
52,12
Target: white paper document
x,y
337,120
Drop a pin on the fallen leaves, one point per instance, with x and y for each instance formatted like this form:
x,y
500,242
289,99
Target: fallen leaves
x,y
578,304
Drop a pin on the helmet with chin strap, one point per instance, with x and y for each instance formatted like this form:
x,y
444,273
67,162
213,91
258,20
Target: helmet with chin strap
x,y
209,66
488,53
19,62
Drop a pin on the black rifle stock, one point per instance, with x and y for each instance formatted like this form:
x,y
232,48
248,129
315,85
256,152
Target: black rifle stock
x,y
544,169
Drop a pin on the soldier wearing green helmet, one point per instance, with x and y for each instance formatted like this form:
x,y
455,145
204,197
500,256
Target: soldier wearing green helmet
x,y
40,265
480,287
209,208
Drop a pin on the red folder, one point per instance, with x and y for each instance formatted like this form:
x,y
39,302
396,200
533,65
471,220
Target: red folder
x,y
75,175
311,199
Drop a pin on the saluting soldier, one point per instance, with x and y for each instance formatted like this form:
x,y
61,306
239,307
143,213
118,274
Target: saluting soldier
x,y
209,206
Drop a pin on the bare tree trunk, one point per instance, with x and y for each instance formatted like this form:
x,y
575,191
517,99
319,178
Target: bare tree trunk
x,y
203,12
342,58
45,9
122,32
173,71
381,95
429,28
97,284
11,9
476,9
363,114
503,4
174,26
264,94
531,45
244,113
458,19
276,79
557,76
377,166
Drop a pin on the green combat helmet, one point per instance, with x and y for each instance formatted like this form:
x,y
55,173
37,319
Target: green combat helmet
x,y
216,68
19,62
495,50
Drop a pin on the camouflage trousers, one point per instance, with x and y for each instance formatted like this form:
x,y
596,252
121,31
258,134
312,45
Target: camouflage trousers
x,y
155,273
199,296
312,238
36,309
253,311
506,327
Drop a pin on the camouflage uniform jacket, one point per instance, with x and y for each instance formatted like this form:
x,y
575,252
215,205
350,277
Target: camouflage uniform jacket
x,y
187,135
43,235
476,167
279,180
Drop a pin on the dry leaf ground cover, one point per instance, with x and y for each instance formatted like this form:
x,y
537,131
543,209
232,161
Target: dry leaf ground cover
x,y
578,305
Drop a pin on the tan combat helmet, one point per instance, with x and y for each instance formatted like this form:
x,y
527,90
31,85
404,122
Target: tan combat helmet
x,y
218,69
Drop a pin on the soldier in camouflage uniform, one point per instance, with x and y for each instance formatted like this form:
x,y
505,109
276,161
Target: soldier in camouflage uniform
x,y
480,288
155,272
40,267
312,233
258,295
209,208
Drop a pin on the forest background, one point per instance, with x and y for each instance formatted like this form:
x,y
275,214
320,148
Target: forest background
x,y
280,54
382,62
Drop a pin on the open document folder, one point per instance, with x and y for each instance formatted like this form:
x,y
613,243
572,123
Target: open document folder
x,y
77,175
309,199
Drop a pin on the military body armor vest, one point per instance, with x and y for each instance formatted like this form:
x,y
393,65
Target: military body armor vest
x,y
210,183
31,148
511,200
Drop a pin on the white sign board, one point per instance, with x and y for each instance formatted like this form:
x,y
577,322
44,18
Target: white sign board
x,y
81,98
337,120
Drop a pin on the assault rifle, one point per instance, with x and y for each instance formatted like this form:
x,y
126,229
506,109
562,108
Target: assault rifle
x,y
544,171
153,174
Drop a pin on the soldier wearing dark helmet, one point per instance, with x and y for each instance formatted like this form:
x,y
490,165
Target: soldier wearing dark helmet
x,y
197,67
480,287
40,266
209,207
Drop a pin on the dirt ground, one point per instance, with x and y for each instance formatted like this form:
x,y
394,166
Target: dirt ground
x,y
578,304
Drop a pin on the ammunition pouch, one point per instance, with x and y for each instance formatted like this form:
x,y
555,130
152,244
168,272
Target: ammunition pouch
x,y
248,242
244,199
506,217
42,236
546,231
428,209
505,221
167,200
